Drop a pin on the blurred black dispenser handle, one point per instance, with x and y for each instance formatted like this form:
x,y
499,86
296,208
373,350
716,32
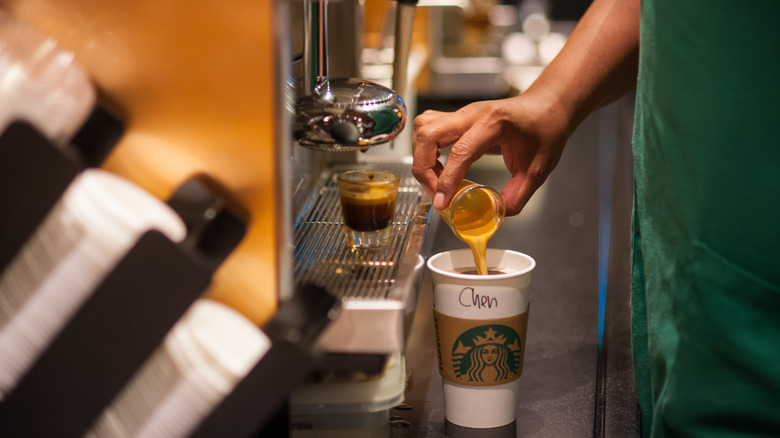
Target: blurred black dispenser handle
x,y
103,345
119,325
33,176
35,172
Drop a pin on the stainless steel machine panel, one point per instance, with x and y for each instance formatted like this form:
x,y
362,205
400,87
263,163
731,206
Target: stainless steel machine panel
x,y
377,288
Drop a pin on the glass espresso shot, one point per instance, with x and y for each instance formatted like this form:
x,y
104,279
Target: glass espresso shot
x,y
368,206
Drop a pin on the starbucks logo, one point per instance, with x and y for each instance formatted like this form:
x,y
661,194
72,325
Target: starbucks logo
x,y
488,353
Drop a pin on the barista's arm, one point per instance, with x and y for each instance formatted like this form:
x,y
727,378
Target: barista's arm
x,y
599,62
597,65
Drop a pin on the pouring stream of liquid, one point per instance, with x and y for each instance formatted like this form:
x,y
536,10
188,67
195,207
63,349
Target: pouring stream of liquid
x,y
475,227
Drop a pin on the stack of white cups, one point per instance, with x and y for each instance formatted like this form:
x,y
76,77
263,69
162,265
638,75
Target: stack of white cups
x,y
200,362
41,83
93,225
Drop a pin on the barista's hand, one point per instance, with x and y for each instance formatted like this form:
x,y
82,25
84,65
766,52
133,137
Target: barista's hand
x,y
530,132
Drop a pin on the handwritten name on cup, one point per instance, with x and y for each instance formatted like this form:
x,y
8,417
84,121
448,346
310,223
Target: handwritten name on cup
x,y
468,297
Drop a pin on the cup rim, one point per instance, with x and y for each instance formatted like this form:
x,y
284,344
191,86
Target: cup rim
x,y
477,277
392,176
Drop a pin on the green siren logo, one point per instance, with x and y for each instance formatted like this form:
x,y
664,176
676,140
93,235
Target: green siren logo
x,y
488,353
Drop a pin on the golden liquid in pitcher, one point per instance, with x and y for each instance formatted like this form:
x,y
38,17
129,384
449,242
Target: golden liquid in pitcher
x,y
474,215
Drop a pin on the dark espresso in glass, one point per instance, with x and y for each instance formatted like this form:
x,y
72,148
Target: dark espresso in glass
x,y
368,214
367,206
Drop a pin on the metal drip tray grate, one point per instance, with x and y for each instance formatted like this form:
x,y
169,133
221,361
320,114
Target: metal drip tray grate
x,y
322,256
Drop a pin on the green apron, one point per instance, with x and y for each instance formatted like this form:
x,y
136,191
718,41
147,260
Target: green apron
x,y
706,225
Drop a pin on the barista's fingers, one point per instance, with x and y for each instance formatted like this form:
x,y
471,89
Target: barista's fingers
x,y
434,131
523,184
468,149
426,176
431,134
425,159
516,193
495,150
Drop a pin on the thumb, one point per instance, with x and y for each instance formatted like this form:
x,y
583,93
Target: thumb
x,y
516,193
449,180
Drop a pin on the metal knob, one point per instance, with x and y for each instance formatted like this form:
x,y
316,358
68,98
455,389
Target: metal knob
x,y
347,114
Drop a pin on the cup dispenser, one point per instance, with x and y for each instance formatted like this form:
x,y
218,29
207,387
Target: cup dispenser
x,y
193,106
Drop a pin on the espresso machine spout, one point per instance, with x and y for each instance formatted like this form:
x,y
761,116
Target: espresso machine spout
x,y
404,27
341,114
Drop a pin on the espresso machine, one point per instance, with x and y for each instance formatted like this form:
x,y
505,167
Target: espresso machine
x,y
328,96
378,290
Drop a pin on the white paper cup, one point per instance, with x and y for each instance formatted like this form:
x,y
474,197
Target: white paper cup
x,y
204,356
40,82
480,323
